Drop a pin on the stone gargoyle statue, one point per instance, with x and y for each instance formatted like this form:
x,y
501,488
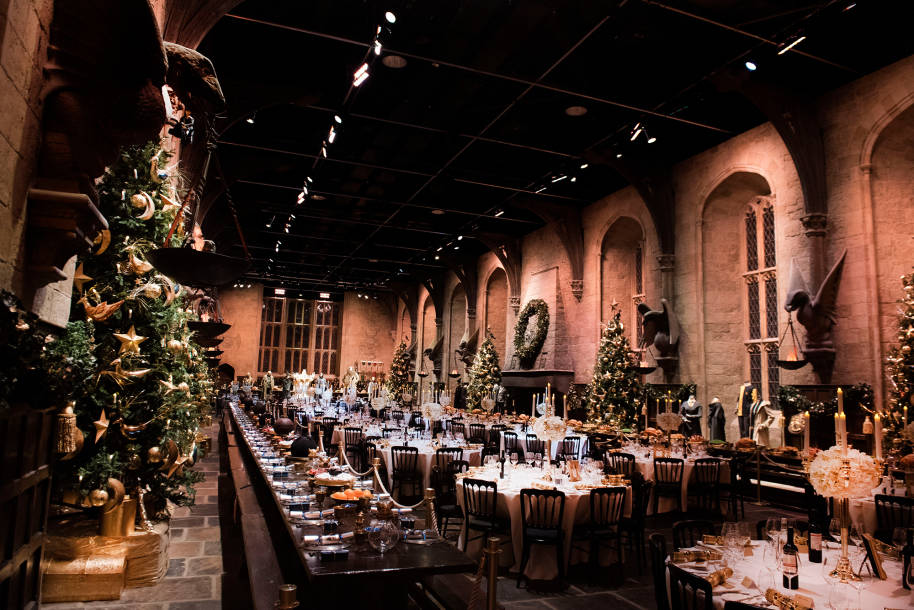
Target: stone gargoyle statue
x,y
661,329
816,314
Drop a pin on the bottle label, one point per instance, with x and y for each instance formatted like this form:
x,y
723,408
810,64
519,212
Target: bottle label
x,y
815,542
790,563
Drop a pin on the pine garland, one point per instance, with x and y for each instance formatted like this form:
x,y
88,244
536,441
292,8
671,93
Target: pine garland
x,y
615,392
527,349
484,374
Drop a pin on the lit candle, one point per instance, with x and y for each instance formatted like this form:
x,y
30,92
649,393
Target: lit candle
x,y
877,437
533,407
840,401
906,416
842,424
837,431
806,431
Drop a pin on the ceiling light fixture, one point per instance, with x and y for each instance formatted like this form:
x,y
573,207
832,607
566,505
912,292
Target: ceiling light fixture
x,y
250,119
499,212
651,140
332,135
438,212
559,178
585,165
338,120
324,150
576,111
459,237
377,47
541,189
792,45
437,257
360,75
636,131
391,18
456,247
751,66
394,61
618,155
574,179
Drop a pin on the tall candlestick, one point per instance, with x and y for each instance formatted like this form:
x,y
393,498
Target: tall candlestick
x,y
533,407
842,424
806,431
837,431
877,437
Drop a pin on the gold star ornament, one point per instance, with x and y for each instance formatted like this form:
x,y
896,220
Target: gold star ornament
x,y
101,426
130,341
80,278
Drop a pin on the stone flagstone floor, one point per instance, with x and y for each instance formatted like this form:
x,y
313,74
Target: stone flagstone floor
x,y
195,570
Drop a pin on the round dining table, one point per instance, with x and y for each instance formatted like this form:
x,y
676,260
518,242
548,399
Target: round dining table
x,y
542,563
754,574
426,456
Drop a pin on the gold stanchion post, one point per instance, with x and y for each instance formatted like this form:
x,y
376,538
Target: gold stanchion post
x,y
492,551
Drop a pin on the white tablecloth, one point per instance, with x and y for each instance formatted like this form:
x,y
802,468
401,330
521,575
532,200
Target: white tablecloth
x,y
426,459
877,594
542,564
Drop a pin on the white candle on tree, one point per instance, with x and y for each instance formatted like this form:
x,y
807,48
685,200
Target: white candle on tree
x,y
806,431
877,437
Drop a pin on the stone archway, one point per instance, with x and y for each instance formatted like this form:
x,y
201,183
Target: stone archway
x,y
496,314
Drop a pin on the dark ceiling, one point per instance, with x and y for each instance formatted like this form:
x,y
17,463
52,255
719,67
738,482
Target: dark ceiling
x,y
464,137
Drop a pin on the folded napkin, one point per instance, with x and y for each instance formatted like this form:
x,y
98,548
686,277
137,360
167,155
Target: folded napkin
x,y
786,602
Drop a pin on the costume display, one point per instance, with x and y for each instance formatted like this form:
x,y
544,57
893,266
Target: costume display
x,y
742,410
716,421
690,411
286,386
460,396
763,417
266,385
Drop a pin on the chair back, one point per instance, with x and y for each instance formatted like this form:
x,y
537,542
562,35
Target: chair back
x,y
501,427
542,508
641,495
688,532
330,421
510,441
688,591
353,436
480,498
606,505
396,415
458,428
892,512
456,467
534,445
707,472
389,432
445,455
494,436
405,459
620,463
570,448
668,471
477,433
656,544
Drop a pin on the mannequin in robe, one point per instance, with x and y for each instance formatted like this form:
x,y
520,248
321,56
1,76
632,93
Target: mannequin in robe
x,y
742,410
460,396
267,385
372,388
690,410
763,416
286,386
716,420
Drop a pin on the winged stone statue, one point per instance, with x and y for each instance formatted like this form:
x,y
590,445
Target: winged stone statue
x,y
661,328
816,314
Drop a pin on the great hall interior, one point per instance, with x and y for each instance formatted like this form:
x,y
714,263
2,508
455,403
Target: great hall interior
x,y
457,304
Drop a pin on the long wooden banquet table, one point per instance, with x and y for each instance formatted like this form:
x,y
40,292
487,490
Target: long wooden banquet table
x,y
367,577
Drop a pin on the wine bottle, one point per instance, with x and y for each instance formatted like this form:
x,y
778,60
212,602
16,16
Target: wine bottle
x,y
815,541
907,554
789,563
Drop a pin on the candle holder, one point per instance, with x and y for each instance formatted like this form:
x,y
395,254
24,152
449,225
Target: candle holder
x,y
843,571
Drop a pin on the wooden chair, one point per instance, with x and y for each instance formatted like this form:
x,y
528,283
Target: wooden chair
x,y
477,433
705,485
458,428
353,438
688,591
371,452
688,532
541,512
619,463
606,504
668,480
570,449
536,449
446,506
656,544
633,526
512,446
892,512
479,501
405,465
445,455
389,432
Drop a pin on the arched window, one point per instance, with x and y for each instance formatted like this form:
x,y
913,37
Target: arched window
x,y
761,296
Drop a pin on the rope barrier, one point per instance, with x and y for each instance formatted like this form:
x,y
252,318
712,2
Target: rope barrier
x,y
476,594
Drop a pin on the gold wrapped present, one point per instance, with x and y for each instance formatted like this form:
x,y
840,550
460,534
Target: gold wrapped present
x,y
87,568
786,602
687,556
719,577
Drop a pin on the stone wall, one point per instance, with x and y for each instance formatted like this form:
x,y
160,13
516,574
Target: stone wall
x,y
24,31
368,331
242,307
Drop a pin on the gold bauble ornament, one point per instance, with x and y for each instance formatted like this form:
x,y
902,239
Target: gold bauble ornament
x,y
143,200
133,458
97,497
154,455
175,346
906,349
138,200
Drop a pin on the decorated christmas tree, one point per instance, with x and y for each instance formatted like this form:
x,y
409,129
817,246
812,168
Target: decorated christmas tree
x,y
900,371
398,381
615,391
137,414
484,374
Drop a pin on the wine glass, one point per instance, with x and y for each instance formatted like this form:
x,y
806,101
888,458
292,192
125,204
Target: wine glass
x,y
834,529
772,528
899,537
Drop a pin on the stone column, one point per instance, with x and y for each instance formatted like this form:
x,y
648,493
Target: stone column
x,y
815,227
667,266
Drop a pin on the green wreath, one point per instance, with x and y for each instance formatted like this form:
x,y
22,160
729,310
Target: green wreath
x,y
527,352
